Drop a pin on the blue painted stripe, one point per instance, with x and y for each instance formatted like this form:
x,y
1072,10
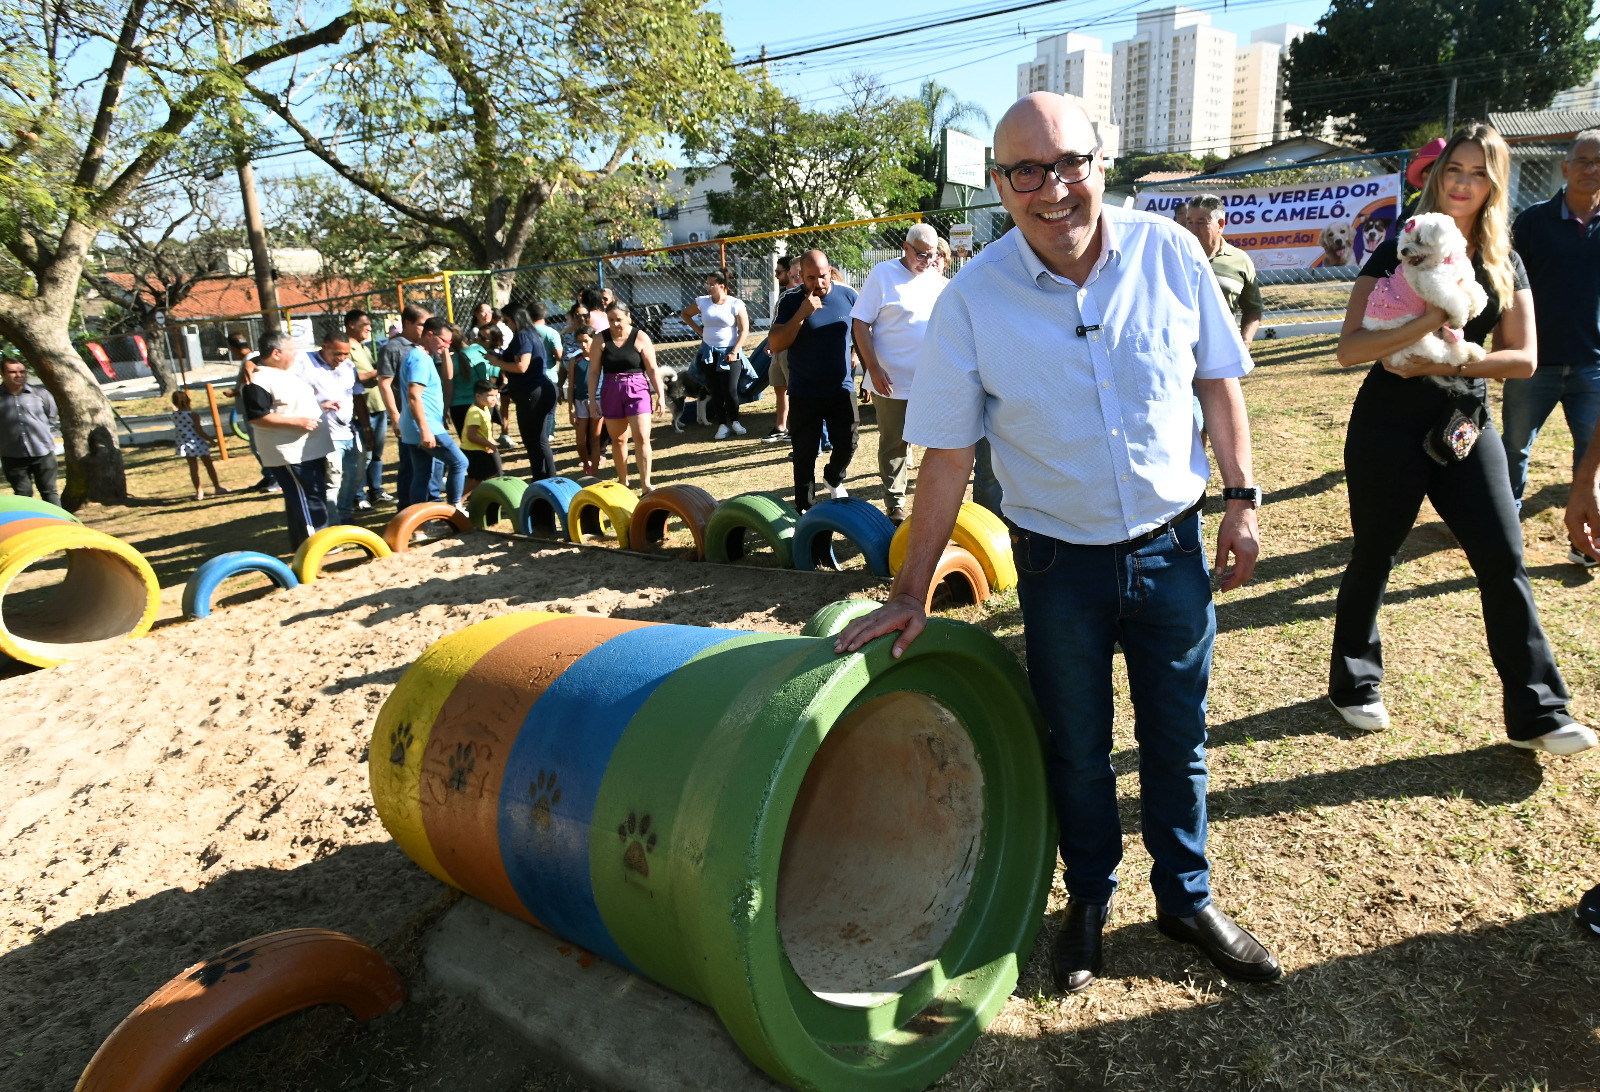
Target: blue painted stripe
x,y
569,735
13,517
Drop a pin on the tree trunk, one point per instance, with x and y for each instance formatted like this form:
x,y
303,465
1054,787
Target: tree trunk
x,y
94,468
155,341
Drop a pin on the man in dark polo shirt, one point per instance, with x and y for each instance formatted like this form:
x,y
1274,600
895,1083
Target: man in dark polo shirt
x,y
1559,241
814,326
27,446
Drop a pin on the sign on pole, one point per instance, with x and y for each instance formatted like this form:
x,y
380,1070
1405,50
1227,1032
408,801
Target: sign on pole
x,y
961,240
961,160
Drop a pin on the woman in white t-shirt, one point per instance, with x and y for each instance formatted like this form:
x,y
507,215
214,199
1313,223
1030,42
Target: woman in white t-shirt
x,y
723,324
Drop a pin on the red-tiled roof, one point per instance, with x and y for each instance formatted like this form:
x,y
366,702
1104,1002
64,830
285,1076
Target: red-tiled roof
x,y
1165,176
227,295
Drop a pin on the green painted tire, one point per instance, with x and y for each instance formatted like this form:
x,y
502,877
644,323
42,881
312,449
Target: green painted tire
x,y
832,618
495,500
762,514
14,503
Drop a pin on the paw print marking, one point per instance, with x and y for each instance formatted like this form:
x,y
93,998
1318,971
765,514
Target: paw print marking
x,y
230,961
640,841
461,766
400,740
546,795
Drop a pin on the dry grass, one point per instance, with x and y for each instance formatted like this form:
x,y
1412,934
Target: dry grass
x,y
1416,883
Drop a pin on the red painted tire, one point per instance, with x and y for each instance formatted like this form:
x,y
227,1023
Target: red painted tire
x,y
222,999
406,521
689,503
960,573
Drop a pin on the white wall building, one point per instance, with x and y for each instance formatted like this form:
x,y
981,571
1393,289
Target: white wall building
x,y
1586,96
1172,84
1259,108
1070,64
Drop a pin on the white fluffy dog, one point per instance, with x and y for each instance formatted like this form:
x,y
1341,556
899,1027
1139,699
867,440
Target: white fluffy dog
x,y
1434,269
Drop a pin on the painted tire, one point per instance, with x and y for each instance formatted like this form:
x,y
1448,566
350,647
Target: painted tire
x,y
979,532
203,582
689,503
236,426
832,618
109,595
406,521
544,507
959,573
769,517
224,998
850,518
34,519
307,563
11,504
495,500
638,788
596,505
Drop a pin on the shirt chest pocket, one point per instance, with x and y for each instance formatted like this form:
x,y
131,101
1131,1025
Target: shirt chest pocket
x,y
1153,366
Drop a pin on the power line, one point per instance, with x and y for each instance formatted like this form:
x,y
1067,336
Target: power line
x,y
882,35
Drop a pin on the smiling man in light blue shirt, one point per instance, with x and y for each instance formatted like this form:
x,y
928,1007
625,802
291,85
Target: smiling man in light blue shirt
x,y
1107,318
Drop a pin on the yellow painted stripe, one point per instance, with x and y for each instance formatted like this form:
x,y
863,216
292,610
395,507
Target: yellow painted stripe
x,y
405,723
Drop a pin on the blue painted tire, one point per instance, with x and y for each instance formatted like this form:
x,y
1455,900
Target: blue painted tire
x,y
203,582
850,518
543,511
764,514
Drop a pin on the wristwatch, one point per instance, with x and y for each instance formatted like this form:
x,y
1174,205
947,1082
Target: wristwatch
x,y
1251,493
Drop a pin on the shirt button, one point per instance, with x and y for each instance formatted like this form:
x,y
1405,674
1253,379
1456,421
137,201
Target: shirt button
x,y
1105,382
1124,477
1113,432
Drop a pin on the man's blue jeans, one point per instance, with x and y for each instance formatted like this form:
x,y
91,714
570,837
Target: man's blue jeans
x,y
347,454
1529,403
380,432
445,451
1154,599
402,477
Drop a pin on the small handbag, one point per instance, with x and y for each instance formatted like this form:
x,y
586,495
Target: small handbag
x,y
1450,439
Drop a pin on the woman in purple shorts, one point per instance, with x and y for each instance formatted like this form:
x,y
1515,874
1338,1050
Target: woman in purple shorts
x,y
626,394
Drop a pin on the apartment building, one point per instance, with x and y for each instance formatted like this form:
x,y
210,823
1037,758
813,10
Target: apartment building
x,y
1178,85
1259,108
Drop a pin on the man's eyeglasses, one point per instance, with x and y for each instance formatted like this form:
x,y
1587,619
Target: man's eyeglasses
x,y
1027,177
925,255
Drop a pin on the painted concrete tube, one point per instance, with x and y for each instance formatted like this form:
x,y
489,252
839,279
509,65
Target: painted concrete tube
x,y
688,503
979,532
495,500
544,507
224,998
307,563
203,582
846,857
831,619
594,507
408,520
11,503
109,594
959,574
851,518
768,517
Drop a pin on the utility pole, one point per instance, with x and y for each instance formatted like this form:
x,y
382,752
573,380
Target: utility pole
x,y
1450,111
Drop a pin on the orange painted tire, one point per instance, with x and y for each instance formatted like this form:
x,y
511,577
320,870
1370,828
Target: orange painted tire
x,y
962,574
222,999
406,521
689,503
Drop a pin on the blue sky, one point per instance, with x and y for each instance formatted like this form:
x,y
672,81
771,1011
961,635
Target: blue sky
x,y
977,59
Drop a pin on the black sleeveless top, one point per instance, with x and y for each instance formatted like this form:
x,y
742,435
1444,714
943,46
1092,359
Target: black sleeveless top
x,y
620,359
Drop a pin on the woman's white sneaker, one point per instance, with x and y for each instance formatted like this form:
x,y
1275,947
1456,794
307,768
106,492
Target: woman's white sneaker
x,y
1368,718
1568,740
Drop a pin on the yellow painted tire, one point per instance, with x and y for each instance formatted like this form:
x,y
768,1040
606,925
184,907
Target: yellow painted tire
x,y
307,561
405,724
602,500
979,532
110,595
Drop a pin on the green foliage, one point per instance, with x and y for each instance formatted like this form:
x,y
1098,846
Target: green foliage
x,y
794,167
500,133
941,110
1130,168
1382,68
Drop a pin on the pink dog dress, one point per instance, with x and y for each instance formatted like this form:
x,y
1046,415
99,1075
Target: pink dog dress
x,y
1393,299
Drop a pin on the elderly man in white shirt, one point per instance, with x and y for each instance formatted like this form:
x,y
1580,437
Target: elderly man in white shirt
x,y
1107,317
888,320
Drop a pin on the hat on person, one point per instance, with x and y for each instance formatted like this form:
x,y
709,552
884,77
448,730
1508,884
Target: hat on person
x,y
1422,159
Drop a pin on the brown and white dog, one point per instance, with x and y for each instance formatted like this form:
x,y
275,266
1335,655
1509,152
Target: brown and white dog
x,y
1336,243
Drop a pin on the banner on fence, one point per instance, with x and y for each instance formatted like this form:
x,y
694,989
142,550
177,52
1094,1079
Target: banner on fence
x,y
1302,225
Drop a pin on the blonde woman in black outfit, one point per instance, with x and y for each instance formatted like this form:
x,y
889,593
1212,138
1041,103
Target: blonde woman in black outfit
x,y
1389,470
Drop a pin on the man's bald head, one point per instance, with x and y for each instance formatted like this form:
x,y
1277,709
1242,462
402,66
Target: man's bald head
x,y
1038,121
814,259
817,273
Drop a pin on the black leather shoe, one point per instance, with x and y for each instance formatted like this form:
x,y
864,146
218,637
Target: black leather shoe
x,y
1078,955
1233,950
